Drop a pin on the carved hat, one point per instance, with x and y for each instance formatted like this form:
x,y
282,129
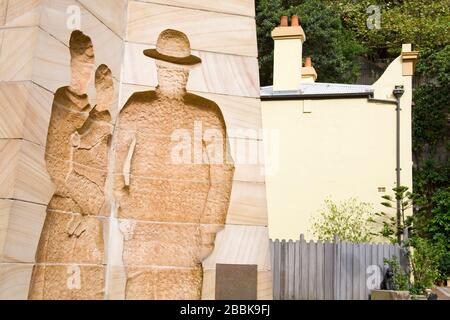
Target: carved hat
x,y
173,46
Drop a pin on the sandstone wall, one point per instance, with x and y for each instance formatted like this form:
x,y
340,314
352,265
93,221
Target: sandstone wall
x,y
35,62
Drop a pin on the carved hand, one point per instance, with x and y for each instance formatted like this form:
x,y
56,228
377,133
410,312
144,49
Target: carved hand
x,y
82,61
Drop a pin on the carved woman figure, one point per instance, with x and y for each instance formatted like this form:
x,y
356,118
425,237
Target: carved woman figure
x,y
70,253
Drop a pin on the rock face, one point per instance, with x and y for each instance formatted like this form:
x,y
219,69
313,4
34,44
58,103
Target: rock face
x,y
170,183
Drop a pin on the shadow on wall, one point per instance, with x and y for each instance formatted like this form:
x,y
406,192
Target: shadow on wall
x,y
169,212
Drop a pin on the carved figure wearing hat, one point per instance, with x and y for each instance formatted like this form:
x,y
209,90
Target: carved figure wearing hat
x,y
173,175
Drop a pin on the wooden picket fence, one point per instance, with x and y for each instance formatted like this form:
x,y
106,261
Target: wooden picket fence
x,y
337,270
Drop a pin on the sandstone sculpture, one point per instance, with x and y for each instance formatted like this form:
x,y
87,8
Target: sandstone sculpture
x,y
71,249
172,200
171,179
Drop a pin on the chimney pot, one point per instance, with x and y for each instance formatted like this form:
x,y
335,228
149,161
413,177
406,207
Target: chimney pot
x,y
284,21
308,62
294,21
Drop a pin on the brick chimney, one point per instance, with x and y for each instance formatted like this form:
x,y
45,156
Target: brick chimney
x,y
309,74
409,59
287,60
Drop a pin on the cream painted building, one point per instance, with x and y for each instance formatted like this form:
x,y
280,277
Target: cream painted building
x,y
335,141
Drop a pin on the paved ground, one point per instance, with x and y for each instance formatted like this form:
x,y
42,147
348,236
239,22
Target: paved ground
x,y
443,293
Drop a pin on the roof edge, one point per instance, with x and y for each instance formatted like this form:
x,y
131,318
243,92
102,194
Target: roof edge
x,y
368,94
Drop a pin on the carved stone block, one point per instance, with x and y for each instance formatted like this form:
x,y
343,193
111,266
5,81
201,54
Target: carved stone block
x,y
67,282
161,244
15,280
20,228
238,7
25,111
163,284
209,31
72,238
23,175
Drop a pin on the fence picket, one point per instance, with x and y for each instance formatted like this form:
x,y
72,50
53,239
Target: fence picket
x,y
355,269
386,251
343,273
337,269
290,270
325,270
284,268
328,270
368,249
297,271
349,273
380,255
276,272
320,271
304,270
362,272
312,269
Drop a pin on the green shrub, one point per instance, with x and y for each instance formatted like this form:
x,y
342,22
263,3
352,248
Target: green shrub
x,y
425,259
350,220
401,278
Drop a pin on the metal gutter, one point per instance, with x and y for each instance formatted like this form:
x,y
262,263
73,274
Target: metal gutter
x,y
398,92
317,96
383,101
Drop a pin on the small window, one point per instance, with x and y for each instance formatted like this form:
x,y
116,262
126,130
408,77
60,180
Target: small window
x,y
381,189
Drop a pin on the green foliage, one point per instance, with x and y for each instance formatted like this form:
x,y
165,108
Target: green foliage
x,y
440,221
425,258
432,222
333,48
421,22
435,64
401,278
430,236
431,219
350,220
430,124
393,222
268,15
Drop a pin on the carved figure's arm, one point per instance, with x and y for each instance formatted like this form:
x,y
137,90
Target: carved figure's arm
x,y
126,170
221,180
82,184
